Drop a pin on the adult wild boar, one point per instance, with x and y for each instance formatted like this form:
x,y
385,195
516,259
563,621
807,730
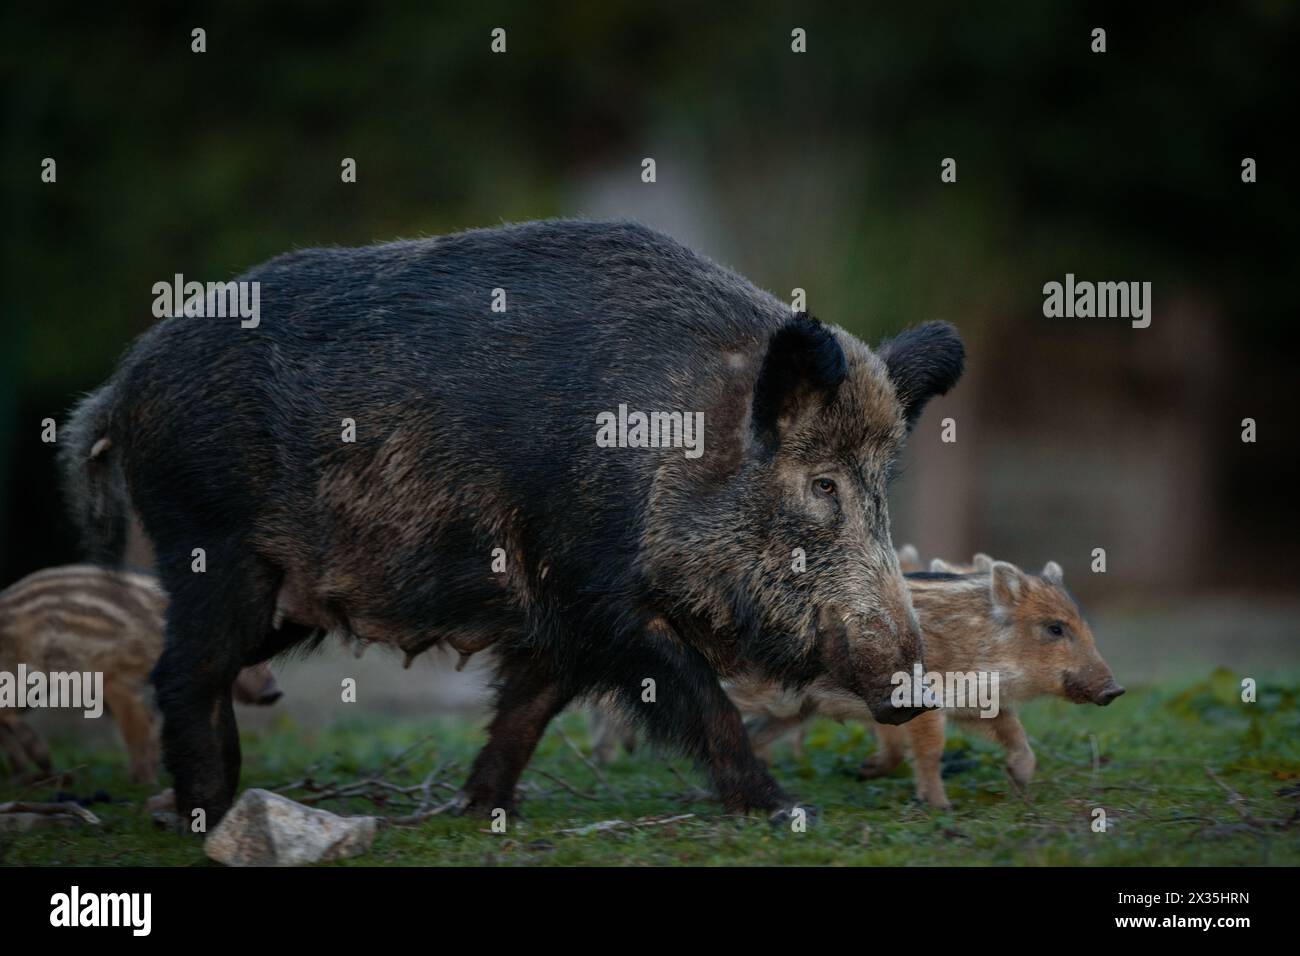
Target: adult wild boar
x,y
642,571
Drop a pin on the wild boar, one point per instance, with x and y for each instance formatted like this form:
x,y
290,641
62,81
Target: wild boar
x,y
609,731
412,445
91,619
1025,628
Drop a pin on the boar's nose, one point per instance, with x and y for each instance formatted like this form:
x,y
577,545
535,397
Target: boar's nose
x,y
1107,694
887,713
899,715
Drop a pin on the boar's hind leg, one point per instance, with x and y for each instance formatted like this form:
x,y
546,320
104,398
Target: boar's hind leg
x,y
526,701
691,712
213,619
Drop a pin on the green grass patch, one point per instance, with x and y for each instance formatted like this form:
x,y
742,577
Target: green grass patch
x,y
1187,775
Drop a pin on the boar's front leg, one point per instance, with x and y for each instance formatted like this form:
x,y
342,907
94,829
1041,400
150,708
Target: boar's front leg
x,y
527,700
688,709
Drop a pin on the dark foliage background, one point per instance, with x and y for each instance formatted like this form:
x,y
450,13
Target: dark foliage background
x,y
819,171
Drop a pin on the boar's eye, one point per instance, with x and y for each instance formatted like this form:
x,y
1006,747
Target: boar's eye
x,y
1056,629
825,486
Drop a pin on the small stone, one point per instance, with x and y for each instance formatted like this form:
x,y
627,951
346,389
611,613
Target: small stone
x,y
161,802
266,829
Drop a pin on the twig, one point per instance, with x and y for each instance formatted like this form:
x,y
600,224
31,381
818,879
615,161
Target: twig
x,y
54,776
591,765
605,825
1235,800
567,786
692,790
420,815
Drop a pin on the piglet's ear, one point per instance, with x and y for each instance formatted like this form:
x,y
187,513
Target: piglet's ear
x,y
803,367
923,362
909,559
981,562
1006,583
1052,572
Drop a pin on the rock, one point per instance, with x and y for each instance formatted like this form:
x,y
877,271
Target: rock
x,y
266,829
161,802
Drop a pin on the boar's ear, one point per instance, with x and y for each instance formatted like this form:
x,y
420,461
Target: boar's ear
x,y
804,364
1005,582
981,562
923,362
1052,573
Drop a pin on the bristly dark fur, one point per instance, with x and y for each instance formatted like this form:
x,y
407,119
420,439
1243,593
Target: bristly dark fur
x,y
924,361
475,430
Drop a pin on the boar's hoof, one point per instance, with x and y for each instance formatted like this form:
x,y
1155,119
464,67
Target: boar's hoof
x,y
793,815
464,805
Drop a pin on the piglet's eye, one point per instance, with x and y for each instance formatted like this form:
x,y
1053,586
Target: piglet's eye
x,y
825,486
1056,630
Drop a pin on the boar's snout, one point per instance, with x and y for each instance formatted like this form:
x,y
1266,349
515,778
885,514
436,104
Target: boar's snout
x,y
1106,694
887,713
903,654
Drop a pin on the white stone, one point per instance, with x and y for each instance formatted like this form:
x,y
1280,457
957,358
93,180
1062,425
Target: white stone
x,y
266,829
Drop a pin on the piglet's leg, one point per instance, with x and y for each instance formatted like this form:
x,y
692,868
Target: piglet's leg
x,y
891,744
136,724
1007,730
22,745
769,728
607,730
926,734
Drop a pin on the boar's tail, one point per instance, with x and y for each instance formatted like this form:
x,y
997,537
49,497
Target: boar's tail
x,y
94,482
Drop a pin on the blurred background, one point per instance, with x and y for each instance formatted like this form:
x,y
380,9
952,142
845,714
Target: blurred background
x,y
818,170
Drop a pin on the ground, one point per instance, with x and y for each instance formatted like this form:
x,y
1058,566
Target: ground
x,y
1187,775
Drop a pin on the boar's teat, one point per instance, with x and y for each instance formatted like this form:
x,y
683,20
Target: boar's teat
x,y
256,685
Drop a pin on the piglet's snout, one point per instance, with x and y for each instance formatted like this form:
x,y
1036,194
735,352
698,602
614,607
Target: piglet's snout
x,y
1107,693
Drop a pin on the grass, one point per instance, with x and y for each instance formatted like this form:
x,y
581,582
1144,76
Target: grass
x,y
1187,775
